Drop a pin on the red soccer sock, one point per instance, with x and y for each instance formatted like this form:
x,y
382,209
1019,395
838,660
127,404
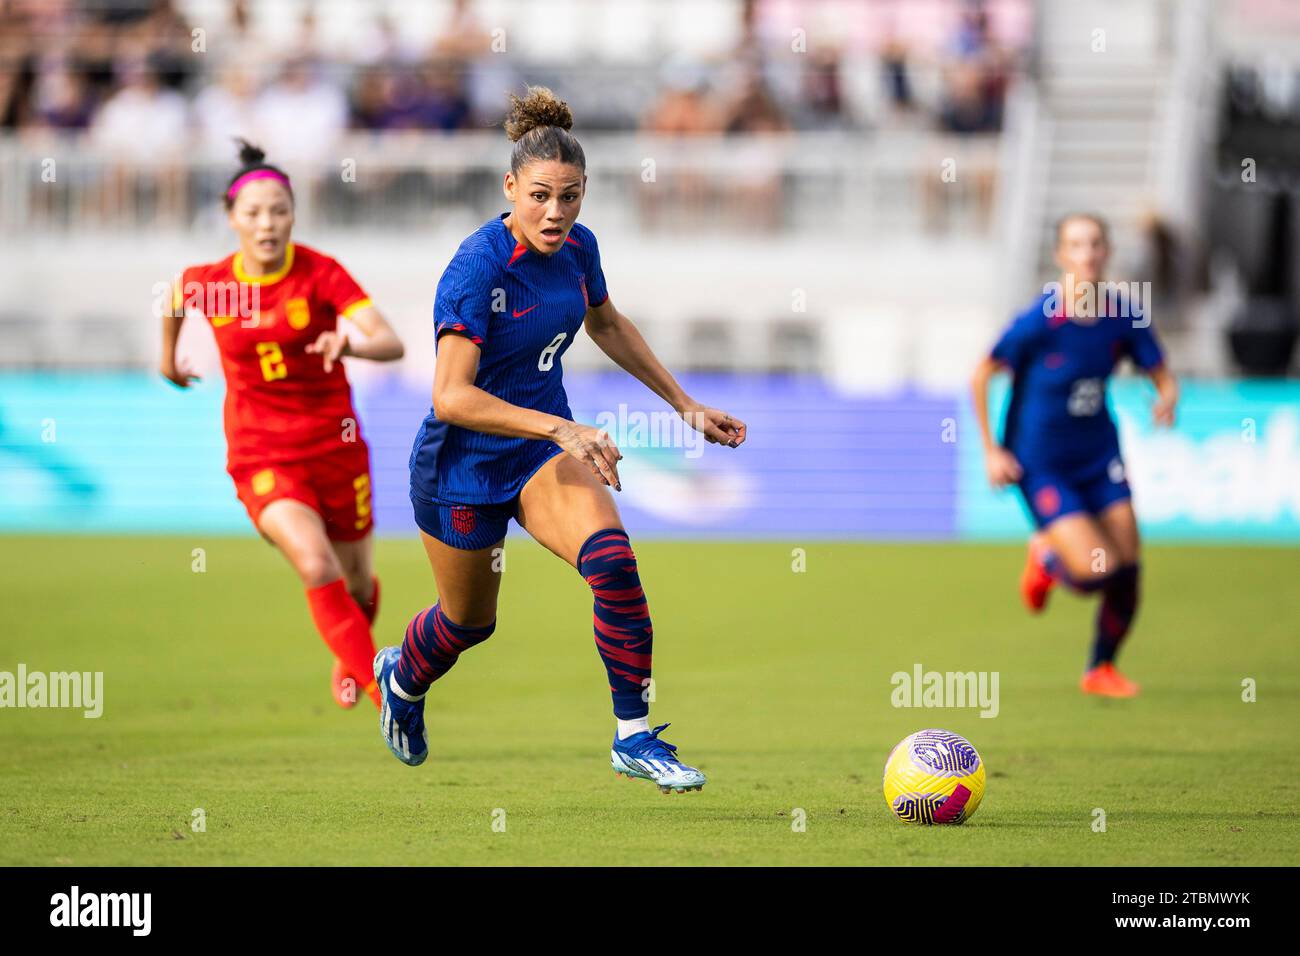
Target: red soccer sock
x,y
345,631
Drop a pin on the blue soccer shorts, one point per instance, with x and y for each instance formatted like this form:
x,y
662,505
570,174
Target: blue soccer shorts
x,y
471,527
467,527
1049,494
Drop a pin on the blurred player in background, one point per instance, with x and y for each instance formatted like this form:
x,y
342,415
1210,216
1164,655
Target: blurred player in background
x,y
294,445
500,443
1060,445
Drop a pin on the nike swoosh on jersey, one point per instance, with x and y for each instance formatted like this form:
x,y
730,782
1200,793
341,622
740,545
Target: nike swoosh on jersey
x,y
517,313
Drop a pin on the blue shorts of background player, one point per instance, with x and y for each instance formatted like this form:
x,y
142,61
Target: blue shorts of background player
x,y
1049,494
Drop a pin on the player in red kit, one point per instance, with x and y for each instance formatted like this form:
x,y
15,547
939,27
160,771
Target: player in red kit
x,y
294,444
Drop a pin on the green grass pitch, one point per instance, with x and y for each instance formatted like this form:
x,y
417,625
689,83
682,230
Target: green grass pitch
x,y
777,684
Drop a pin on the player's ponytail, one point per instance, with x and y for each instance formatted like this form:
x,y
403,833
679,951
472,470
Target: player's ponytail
x,y
538,124
253,165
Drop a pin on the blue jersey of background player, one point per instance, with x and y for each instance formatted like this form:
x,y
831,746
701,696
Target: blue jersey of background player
x,y
1060,445
1058,421
500,443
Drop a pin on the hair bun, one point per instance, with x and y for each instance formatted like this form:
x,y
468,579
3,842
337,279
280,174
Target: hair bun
x,y
539,107
249,155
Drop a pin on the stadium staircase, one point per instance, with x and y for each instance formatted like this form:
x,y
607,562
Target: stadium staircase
x,y
1112,121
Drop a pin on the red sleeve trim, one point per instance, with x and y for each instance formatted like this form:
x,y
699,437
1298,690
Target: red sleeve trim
x,y
458,329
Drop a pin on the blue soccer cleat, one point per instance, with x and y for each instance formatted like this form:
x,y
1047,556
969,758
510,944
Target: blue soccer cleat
x,y
645,756
401,720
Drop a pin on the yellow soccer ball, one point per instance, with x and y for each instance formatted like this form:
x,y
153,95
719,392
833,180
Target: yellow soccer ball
x,y
934,776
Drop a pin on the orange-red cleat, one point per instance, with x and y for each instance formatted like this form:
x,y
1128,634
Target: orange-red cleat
x,y
1105,681
1035,582
345,689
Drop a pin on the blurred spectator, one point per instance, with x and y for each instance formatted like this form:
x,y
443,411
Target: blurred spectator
x,y
463,37
61,98
966,106
306,43
164,37
16,58
821,93
440,101
143,118
374,94
753,185
235,40
94,48
300,117
895,75
13,102
383,44
143,127
682,106
683,109
226,109
753,109
975,77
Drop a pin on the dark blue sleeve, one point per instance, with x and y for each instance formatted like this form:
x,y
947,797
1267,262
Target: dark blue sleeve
x,y
1142,344
466,294
1016,344
595,277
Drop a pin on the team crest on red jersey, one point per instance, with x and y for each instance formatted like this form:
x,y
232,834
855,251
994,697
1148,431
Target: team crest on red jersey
x,y
462,519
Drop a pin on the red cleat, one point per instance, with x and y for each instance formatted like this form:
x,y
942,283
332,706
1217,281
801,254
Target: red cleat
x,y
1104,681
1035,582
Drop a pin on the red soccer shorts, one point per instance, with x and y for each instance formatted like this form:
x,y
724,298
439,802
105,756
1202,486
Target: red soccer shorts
x,y
336,486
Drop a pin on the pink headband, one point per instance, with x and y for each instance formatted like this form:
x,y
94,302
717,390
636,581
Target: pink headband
x,y
239,183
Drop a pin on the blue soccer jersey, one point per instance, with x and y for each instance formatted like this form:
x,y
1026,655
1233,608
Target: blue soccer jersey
x,y
523,310
1058,418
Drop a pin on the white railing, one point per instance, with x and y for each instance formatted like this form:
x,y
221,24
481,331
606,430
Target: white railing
x,y
1022,188
780,183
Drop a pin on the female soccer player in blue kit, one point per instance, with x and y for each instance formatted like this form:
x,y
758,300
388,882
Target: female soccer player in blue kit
x,y
500,443
1060,445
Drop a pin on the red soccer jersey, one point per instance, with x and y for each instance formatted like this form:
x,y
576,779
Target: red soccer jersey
x,y
281,405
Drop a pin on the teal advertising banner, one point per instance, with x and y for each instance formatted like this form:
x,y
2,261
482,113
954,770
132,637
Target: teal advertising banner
x,y
1229,470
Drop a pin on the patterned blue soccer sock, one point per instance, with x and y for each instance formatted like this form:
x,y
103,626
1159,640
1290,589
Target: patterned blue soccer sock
x,y
624,636
1119,602
432,645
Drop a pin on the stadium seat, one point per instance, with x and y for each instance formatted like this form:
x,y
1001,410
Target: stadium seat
x,y
710,346
794,346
